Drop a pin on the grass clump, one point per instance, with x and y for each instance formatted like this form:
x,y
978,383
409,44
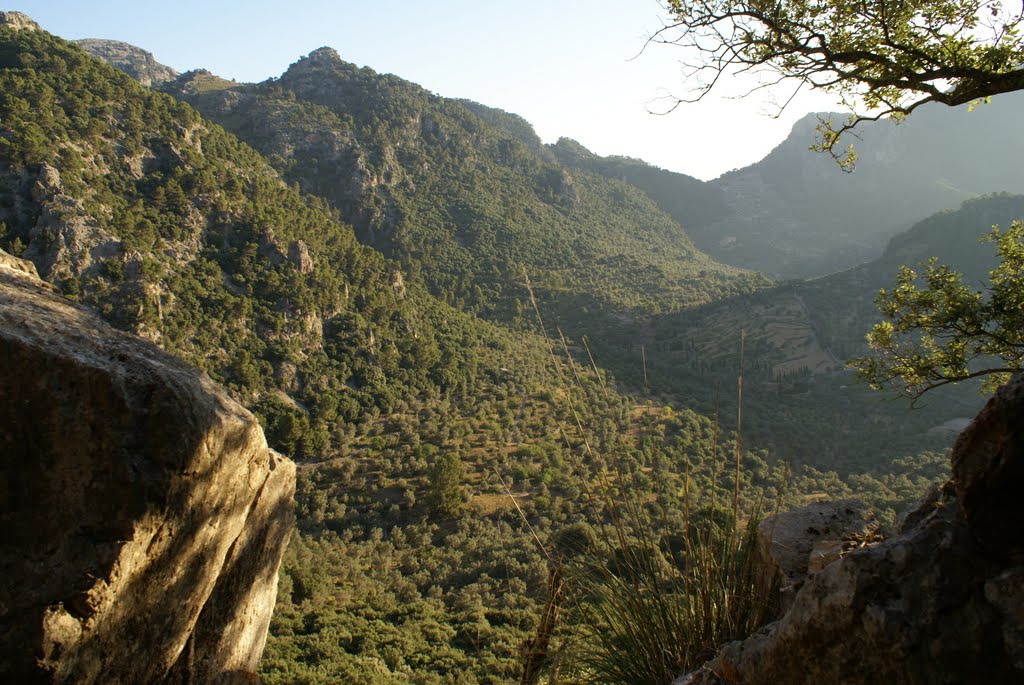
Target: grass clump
x,y
651,591
647,612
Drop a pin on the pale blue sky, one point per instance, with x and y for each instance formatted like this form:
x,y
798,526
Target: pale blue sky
x,y
567,66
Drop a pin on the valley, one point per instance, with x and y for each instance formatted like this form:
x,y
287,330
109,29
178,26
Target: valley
x,y
473,343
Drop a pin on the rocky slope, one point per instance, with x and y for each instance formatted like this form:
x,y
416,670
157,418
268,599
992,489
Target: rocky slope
x,y
135,62
126,471
463,194
940,602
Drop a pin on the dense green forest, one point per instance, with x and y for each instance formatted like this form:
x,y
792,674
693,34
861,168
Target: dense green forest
x,y
798,335
442,442
455,191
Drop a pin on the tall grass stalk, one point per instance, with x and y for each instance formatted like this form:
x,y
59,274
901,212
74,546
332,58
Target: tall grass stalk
x,y
641,612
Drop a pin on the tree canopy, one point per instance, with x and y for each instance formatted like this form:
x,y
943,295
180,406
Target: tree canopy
x,y
939,331
882,57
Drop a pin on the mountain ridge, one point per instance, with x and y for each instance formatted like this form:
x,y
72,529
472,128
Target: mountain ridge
x,y
795,214
432,426
464,194
132,60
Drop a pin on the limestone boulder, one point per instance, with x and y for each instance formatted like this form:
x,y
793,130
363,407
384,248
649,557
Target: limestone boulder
x,y
143,515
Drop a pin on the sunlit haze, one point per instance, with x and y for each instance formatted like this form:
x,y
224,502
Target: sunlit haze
x,y
574,69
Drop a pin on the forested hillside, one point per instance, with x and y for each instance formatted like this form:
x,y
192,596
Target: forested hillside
x,y
690,201
406,413
799,335
464,195
438,450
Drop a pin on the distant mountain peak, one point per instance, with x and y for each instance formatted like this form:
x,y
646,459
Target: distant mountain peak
x,y
324,55
197,81
572,150
132,60
18,20
318,63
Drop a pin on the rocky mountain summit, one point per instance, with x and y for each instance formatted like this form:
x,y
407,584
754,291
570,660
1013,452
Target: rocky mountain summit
x,y
18,20
135,62
144,516
942,601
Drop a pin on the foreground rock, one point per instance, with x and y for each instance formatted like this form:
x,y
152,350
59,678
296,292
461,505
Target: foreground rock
x,y
144,517
988,469
793,544
941,602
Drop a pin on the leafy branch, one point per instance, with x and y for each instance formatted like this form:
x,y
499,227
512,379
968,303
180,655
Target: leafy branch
x,y
938,331
883,58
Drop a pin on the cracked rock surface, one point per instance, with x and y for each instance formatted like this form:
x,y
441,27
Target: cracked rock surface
x,y
144,516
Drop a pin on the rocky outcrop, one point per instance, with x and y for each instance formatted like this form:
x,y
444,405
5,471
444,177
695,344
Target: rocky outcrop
x,y
940,602
298,255
921,607
397,284
988,470
18,21
22,268
135,62
793,544
65,240
144,517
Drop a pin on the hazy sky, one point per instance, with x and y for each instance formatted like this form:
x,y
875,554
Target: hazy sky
x,y
571,68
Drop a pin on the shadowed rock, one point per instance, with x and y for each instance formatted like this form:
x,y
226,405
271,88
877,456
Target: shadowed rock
x,y
919,608
792,544
941,602
144,517
988,470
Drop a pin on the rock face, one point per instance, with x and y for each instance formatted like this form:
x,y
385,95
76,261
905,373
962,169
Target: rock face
x,y
135,62
793,544
941,602
18,21
298,255
988,469
144,517
921,607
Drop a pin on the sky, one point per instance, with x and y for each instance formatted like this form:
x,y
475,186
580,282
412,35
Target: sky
x,y
571,68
